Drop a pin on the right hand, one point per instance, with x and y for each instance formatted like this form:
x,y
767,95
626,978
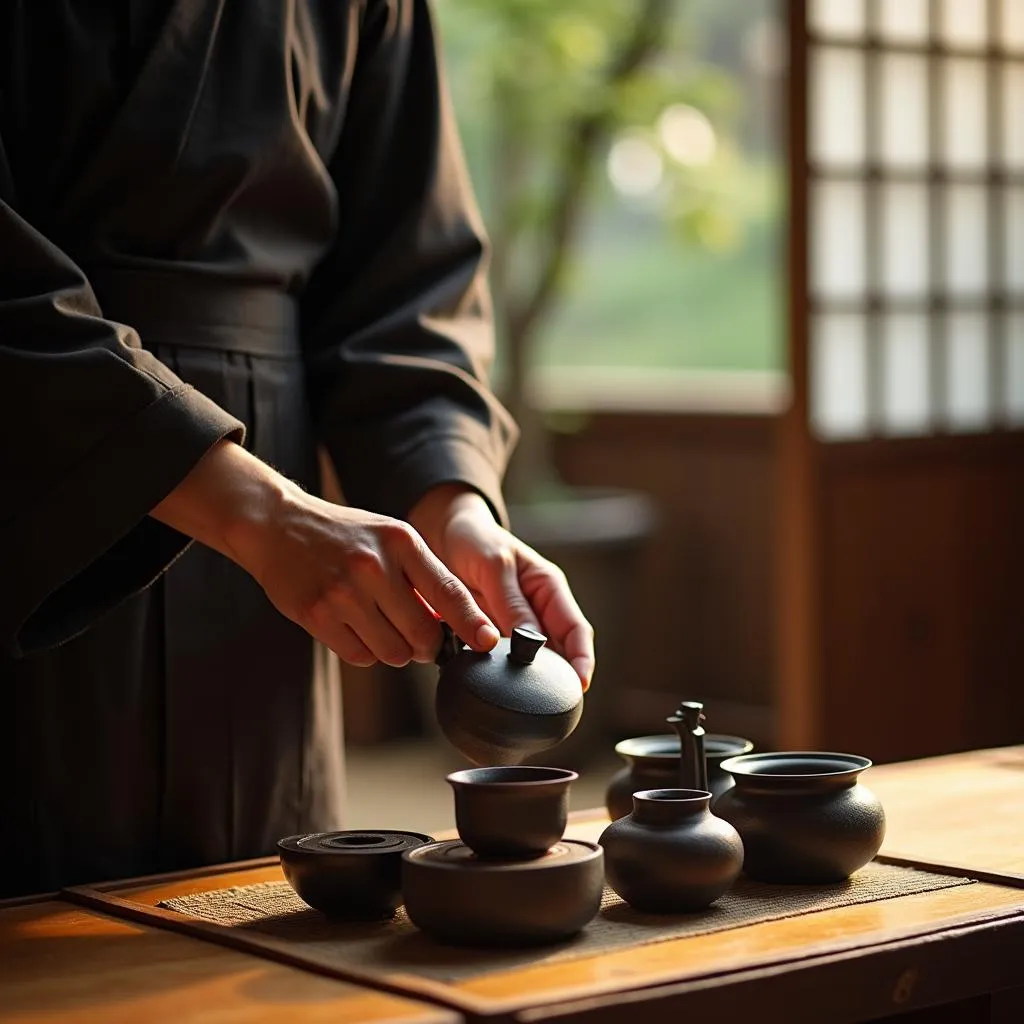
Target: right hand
x,y
361,583
365,585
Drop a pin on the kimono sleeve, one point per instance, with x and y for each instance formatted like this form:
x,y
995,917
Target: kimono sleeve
x,y
398,328
94,432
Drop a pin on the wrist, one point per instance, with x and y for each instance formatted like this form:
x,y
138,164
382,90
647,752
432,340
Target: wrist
x,y
432,514
254,505
226,502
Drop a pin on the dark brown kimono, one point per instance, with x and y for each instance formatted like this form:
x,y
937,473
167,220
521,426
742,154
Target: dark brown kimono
x,y
218,219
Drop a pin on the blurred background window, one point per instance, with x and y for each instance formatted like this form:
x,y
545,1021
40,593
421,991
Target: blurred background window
x,y
646,133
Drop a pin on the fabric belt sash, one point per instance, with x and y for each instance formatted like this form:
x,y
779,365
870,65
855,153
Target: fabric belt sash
x,y
197,310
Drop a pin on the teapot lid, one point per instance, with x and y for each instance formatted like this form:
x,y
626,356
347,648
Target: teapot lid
x,y
519,674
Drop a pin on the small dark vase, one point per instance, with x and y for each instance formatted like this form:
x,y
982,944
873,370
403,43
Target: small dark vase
x,y
652,762
804,817
671,854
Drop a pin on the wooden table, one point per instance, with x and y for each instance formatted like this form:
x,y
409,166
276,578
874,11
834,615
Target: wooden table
x,y
952,955
62,962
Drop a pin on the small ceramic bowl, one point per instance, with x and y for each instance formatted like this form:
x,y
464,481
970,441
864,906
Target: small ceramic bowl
x,y
652,762
514,812
459,898
804,816
349,876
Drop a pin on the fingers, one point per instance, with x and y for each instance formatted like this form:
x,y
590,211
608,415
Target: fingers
x,y
369,612
546,588
379,634
447,595
341,639
351,577
414,619
581,641
502,595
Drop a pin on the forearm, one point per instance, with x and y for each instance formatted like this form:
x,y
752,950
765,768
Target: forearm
x,y
363,584
230,494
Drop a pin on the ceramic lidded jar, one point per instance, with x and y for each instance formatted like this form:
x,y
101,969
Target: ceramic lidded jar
x,y
349,875
501,707
460,898
652,762
671,854
804,816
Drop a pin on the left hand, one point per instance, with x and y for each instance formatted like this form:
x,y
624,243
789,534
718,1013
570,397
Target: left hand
x,y
511,582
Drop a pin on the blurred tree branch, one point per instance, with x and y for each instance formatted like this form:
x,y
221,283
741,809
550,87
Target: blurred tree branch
x,y
521,309
588,131
544,88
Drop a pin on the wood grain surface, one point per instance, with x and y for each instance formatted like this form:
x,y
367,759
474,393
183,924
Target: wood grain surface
x,y
62,963
962,811
789,940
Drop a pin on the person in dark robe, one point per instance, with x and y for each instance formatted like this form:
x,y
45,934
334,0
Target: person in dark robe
x,y
231,233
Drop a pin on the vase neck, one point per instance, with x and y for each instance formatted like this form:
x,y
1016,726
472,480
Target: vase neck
x,y
669,806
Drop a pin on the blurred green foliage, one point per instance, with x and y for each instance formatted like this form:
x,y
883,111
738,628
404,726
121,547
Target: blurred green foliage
x,y
687,277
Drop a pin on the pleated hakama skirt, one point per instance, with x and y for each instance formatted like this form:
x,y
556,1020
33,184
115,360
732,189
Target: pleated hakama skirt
x,y
194,724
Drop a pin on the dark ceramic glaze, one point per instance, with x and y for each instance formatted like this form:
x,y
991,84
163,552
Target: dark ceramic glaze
x,y
502,707
510,812
459,898
671,854
349,876
652,762
804,817
688,722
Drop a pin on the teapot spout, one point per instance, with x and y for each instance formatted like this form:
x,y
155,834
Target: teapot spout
x,y
450,645
687,722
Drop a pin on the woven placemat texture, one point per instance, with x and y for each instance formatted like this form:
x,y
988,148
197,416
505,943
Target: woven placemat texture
x,y
270,914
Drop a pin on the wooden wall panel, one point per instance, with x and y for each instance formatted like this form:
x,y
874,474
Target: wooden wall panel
x,y
922,591
704,623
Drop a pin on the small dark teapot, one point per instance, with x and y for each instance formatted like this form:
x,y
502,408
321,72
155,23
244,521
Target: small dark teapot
x,y
514,701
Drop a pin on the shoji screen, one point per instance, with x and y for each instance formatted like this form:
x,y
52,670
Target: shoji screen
x,y
915,193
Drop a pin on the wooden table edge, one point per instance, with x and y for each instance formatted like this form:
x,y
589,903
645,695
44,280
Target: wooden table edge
x,y
181,875
792,969
810,955
411,987
449,997
24,901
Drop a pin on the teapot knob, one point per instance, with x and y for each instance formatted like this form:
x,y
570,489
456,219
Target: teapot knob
x,y
524,645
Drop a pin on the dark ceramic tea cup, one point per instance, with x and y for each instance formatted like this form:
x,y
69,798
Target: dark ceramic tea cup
x,y
511,812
